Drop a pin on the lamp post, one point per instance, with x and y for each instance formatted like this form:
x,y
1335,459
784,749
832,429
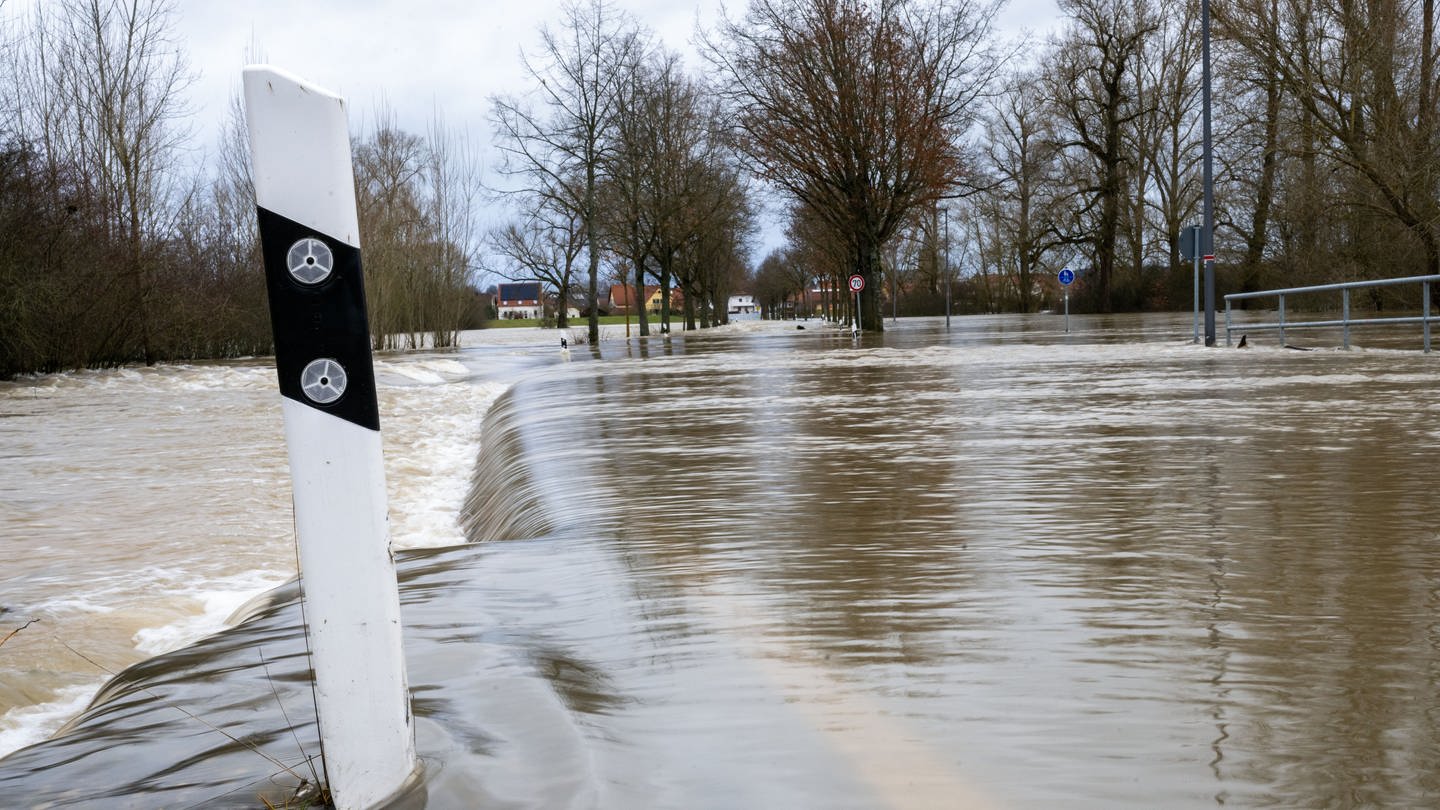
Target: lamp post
x,y
1208,236
945,216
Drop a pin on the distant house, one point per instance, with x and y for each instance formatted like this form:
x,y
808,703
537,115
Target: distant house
x,y
623,299
742,304
519,300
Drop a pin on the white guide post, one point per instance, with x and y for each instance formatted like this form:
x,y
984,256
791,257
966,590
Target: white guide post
x,y
309,233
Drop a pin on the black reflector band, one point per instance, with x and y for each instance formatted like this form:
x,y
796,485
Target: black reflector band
x,y
317,313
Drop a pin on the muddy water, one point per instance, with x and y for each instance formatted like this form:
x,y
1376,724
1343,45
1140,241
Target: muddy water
x,y
996,566
140,507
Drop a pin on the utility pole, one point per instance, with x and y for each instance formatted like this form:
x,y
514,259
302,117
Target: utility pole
x,y
1208,237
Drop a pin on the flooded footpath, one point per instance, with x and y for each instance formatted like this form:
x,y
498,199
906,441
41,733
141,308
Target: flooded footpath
x,y
995,566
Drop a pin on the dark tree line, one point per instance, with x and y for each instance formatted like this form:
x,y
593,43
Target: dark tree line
x,y
1327,153
908,148
117,247
1087,149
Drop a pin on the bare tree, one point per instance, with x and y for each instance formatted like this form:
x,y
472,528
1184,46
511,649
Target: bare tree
x,y
415,198
695,193
563,144
819,254
94,89
1026,203
1253,162
456,192
717,223
774,284
545,245
1365,76
1171,145
631,223
1091,77
857,109
110,77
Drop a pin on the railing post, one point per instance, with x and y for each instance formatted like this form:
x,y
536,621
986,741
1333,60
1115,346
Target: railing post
x,y
1345,314
1282,320
1227,322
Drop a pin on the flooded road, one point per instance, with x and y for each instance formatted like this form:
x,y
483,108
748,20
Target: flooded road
x,y
997,566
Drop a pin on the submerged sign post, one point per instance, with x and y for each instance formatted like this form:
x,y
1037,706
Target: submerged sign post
x,y
309,238
857,283
1190,248
1067,277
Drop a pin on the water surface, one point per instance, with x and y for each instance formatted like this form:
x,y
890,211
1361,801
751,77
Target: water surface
x,y
995,566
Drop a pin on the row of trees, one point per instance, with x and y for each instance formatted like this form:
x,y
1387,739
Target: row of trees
x,y
906,146
1087,154
616,159
116,246
1327,156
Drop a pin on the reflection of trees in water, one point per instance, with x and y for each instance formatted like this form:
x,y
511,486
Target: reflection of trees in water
x,y
1239,565
1295,552
744,468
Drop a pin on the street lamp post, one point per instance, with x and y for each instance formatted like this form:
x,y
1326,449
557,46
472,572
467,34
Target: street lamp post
x,y
1208,236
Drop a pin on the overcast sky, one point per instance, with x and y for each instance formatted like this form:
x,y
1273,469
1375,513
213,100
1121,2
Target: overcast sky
x,y
416,55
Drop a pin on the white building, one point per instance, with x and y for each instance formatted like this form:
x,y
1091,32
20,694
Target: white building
x,y
521,300
742,304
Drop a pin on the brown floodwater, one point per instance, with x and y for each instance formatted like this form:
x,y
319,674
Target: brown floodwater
x,y
996,566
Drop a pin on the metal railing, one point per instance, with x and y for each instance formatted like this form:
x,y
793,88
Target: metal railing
x,y
1345,321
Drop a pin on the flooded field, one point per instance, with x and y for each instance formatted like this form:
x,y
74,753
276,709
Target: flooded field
x,y
994,566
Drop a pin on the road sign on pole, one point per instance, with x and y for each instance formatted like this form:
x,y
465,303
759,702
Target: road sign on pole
x,y
1067,277
856,284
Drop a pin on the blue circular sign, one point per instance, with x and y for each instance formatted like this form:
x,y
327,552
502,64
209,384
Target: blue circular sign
x,y
1067,276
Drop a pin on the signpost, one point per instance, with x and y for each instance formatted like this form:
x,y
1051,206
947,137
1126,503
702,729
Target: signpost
x,y
1067,277
857,283
1190,248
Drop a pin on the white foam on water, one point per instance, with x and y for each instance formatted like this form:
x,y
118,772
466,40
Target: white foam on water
x,y
27,725
432,438
219,600
431,410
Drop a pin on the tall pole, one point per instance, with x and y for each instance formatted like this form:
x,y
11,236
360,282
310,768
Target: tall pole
x,y
945,215
1208,237
310,242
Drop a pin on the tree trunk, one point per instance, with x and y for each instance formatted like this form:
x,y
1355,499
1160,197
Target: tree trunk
x,y
637,298
868,267
592,242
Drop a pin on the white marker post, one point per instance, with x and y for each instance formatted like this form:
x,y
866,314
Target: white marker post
x,y
309,234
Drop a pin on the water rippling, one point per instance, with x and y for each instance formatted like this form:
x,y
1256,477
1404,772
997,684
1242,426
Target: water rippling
x,y
995,567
